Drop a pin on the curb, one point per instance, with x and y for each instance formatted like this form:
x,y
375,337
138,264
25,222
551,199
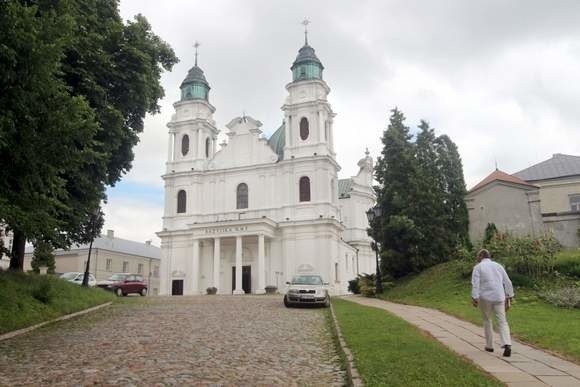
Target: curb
x,y
19,332
351,371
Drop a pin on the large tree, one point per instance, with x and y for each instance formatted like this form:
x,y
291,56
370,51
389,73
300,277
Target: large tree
x,y
76,85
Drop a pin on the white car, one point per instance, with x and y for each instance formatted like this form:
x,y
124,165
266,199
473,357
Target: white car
x,y
307,290
77,278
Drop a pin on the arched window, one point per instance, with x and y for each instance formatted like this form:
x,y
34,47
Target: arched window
x,y
304,189
184,144
242,196
207,144
181,202
304,128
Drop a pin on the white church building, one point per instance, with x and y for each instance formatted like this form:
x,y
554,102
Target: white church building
x,y
258,211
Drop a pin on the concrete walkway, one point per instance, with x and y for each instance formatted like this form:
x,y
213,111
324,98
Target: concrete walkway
x,y
526,367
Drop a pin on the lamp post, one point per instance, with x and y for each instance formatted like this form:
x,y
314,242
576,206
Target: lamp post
x,y
374,214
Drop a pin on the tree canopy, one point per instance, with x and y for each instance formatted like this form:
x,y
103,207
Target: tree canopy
x,y
76,85
421,191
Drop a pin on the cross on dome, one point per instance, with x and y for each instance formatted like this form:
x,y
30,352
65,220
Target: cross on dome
x,y
305,23
196,45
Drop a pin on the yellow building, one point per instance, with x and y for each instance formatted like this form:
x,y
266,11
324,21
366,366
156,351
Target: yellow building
x,y
109,255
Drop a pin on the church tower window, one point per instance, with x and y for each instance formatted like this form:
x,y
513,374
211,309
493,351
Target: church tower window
x,y
207,144
181,202
304,128
185,144
304,189
242,196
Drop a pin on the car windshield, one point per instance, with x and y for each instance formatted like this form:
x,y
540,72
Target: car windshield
x,y
69,276
307,280
117,277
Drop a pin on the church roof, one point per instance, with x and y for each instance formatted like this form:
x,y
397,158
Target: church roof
x,y
195,75
277,141
559,165
306,54
498,175
344,188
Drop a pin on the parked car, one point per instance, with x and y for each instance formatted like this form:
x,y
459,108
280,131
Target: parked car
x,y
124,283
77,278
306,290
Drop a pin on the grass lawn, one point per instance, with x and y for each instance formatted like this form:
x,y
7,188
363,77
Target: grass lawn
x,y
531,319
28,299
390,351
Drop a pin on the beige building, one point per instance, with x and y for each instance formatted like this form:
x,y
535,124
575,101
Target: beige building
x,y
109,255
543,197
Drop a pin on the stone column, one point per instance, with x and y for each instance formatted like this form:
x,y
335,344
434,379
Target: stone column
x,y
238,289
261,266
216,263
194,273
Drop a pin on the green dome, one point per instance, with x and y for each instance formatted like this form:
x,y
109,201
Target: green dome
x,y
194,86
306,65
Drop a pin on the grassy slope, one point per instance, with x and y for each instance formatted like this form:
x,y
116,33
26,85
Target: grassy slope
x,y
390,351
531,319
19,309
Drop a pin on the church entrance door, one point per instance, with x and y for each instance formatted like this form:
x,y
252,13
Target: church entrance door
x,y
246,278
177,288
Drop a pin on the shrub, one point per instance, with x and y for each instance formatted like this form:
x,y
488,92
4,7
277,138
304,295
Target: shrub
x,y
367,285
564,297
43,290
520,280
568,264
271,289
353,286
211,290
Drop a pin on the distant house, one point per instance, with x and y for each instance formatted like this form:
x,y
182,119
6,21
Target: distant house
x,y
109,255
543,197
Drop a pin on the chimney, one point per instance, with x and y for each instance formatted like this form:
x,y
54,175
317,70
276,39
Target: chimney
x,y
110,234
148,243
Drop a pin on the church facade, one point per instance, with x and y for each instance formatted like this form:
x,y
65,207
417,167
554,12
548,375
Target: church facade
x,y
258,211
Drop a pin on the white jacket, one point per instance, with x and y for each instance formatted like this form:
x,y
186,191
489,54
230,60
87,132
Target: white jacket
x,y
490,282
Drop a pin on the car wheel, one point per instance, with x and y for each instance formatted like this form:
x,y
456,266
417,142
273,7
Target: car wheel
x,y
143,292
286,303
119,292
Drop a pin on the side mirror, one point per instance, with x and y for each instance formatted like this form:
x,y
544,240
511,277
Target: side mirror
x,y
287,283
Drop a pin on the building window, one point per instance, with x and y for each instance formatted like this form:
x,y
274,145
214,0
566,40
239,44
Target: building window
x,y
125,267
109,265
184,144
336,278
304,189
181,202
242,196
207,144
156,271
140,268
574,202
304,128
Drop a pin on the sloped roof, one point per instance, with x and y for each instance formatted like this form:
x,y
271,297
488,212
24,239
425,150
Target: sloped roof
x,y
498,175
344,188
559,165
277,141
118,245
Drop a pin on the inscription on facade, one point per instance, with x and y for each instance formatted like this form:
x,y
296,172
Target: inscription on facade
x,y
225,229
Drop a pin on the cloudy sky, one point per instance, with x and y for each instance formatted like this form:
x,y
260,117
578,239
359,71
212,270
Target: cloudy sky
x,y
502,79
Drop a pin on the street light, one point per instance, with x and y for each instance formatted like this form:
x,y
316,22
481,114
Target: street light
x,y
374,214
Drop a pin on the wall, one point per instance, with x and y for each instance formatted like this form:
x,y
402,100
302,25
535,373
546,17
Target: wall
x,y
554,195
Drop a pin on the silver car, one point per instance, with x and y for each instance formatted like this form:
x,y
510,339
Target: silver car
x,y
306,290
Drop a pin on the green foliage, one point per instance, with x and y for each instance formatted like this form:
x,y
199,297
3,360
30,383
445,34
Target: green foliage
x,y
421,196
532,257
353,286
489,234
531,319
367,284
391,352
568,263
76,84
28,299
43,256
565,297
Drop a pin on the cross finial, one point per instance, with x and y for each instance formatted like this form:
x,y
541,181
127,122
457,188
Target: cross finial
x,y
367,153
305,23
196,45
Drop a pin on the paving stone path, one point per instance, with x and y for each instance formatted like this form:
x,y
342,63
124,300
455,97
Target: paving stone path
x,y
157,341
527,366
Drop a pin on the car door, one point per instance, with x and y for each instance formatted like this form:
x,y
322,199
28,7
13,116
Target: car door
x,y
130,284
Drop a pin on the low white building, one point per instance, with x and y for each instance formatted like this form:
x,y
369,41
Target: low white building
x,y
258,211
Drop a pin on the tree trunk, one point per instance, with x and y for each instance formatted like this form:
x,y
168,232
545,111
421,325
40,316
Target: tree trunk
x,y
17,254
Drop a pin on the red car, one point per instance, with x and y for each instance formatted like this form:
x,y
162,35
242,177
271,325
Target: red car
x,y
124,283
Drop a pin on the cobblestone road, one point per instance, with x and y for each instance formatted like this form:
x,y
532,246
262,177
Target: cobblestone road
x,y
205,341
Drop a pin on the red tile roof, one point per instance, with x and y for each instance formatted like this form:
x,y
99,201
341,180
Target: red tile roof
x,y
501,176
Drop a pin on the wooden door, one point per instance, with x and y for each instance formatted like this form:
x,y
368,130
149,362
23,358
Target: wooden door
x,y
177,288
